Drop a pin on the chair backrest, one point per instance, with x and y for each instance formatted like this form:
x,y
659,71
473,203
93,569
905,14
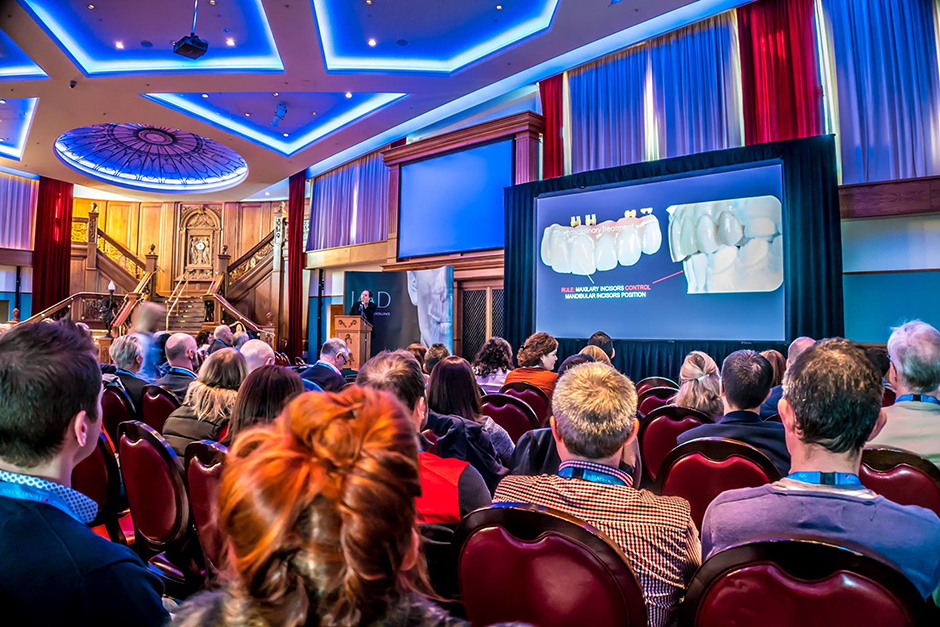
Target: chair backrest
x,y
512,414
659,431
153,481
700,470
652,398
204,463
533,396
655,382
116,407
805,582
901,476
887,399
98,478
532,564
774,418
158,404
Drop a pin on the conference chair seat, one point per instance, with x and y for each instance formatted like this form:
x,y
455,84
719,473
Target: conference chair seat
x,y
655,382
512,414
901,476
660,430
533,396
204,463
98,478
653,398
158,404
116,407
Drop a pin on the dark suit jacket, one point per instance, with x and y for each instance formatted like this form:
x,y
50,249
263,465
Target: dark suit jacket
x,y
769,408
176,381
325,377
216,345
537,454
747,427
356,310
135,390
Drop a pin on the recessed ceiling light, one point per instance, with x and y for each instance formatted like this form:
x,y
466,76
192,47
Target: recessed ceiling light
x,y
372,43
499,7
286,134
205,95
276,94
2,101
267,193
91,7
247,115
313,113
368,1
348,95
212,2
229,41
119,45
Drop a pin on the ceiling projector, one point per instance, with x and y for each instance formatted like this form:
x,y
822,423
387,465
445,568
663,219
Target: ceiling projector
x,y
191,46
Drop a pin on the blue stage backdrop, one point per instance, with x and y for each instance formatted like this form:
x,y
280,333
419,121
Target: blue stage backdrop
x,y
412,306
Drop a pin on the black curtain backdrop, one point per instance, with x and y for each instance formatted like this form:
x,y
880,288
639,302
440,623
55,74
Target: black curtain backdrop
x,y
812,251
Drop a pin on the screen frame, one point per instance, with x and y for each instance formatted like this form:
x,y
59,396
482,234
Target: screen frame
x,y
511,140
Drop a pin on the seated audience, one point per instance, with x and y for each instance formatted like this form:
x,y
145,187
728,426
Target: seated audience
x,y
831,405
84,328
262,396
745,384
537,359
319,512
327,372
700,385
594,417
221,338
239,339
603,342
769,407
778,363
158,349
492,363
452,391
879,357
209,401
450,488
202,339
419,351
127,354
257,353
598,354
436,353
574,360
182,356
55,569
914,418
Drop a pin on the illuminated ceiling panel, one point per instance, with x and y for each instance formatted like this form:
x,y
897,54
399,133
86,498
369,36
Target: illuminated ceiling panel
x,y
16,116
14,64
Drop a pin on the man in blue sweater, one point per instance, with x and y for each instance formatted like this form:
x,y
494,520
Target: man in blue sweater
x,y
53,569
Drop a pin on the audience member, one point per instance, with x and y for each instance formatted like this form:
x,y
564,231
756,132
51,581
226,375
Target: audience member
x,y
160,338
452,391
492,363
202,339
831,405
797,346
594,417
221,338
327,372
239,339
700,385
779,365
574,360
84,328
879,356
419,351
914,418
450,488
182,355
56,570
146,319
603,342
745,384
208,404
257,353
127,355
436,353
597,353
262,396
537,359
319,511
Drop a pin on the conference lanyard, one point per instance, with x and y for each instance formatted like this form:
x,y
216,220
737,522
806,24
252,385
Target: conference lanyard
x,y
175,370
826,478
921,398
576,472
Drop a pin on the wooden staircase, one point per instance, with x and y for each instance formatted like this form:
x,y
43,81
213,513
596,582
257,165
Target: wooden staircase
x,y
187,316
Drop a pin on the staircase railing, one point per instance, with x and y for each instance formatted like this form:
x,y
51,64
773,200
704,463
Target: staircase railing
x,y
257,255
220,311
142,291
174,299
114,250
80,307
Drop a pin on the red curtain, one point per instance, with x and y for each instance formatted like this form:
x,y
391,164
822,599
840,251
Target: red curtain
x,y
295,263
53,248
779,71
553,158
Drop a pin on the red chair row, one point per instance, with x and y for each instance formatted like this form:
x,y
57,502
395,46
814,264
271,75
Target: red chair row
x,y
512,414
116,407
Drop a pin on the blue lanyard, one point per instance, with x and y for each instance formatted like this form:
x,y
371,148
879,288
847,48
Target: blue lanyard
x,y
921,398
188,373
576,472
826,478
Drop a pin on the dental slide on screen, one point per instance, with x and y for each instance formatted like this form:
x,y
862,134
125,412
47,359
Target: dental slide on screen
x,y
586,247
728,245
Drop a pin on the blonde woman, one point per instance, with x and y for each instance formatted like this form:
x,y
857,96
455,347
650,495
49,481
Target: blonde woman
x,y
700,385
597,353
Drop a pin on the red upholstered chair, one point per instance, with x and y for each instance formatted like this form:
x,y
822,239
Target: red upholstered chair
x,y
158,404
519,562
533,396
774,418
99,478
700,470
204,463
887,399
651,398
153,481
901,476
659,431
116,407
512,414
804,582
655,382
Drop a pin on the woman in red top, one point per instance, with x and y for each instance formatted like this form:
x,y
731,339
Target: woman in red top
x,y
537,359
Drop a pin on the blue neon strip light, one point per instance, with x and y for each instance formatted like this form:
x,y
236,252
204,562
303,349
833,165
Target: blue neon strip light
x,y
15,150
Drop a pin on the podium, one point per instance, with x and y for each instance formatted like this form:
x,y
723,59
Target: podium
x,y
357,333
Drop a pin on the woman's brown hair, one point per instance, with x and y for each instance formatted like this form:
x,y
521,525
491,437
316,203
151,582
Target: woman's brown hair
x,y
262,396
453,391
535,347
319,511
419,351
779,364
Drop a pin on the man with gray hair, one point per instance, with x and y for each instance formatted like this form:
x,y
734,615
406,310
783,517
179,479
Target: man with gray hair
x,y
182,357
257,354
594,418
913,422
222,338
127,355
797,346
327,372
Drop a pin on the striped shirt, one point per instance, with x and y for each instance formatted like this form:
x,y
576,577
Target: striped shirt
x,y
656,533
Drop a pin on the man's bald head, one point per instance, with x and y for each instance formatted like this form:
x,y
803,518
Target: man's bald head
x,y
181,351
223,332
797,347
257,354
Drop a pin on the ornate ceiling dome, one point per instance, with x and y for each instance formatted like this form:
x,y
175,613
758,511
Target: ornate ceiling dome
x,y
151,158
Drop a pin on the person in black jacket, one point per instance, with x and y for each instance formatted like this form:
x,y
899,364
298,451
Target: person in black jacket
x,y
221,338
182,357
127,353
327,372
364,306
56,570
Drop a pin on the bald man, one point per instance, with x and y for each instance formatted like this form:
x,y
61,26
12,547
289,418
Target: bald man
x,y
797,346
222,337
182,357
257,354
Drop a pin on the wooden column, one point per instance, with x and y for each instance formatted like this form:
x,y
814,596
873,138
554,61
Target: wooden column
x,y
90,283
224,259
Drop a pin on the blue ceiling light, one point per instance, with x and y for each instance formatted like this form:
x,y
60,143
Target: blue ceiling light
x,y
151,158
16,116
84,35
14,64
419,36
296,129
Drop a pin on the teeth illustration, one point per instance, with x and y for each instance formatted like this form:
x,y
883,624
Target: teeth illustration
x,y
587,247
651,236
582,254
559,251
605,253
628,247
546,247
728,245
